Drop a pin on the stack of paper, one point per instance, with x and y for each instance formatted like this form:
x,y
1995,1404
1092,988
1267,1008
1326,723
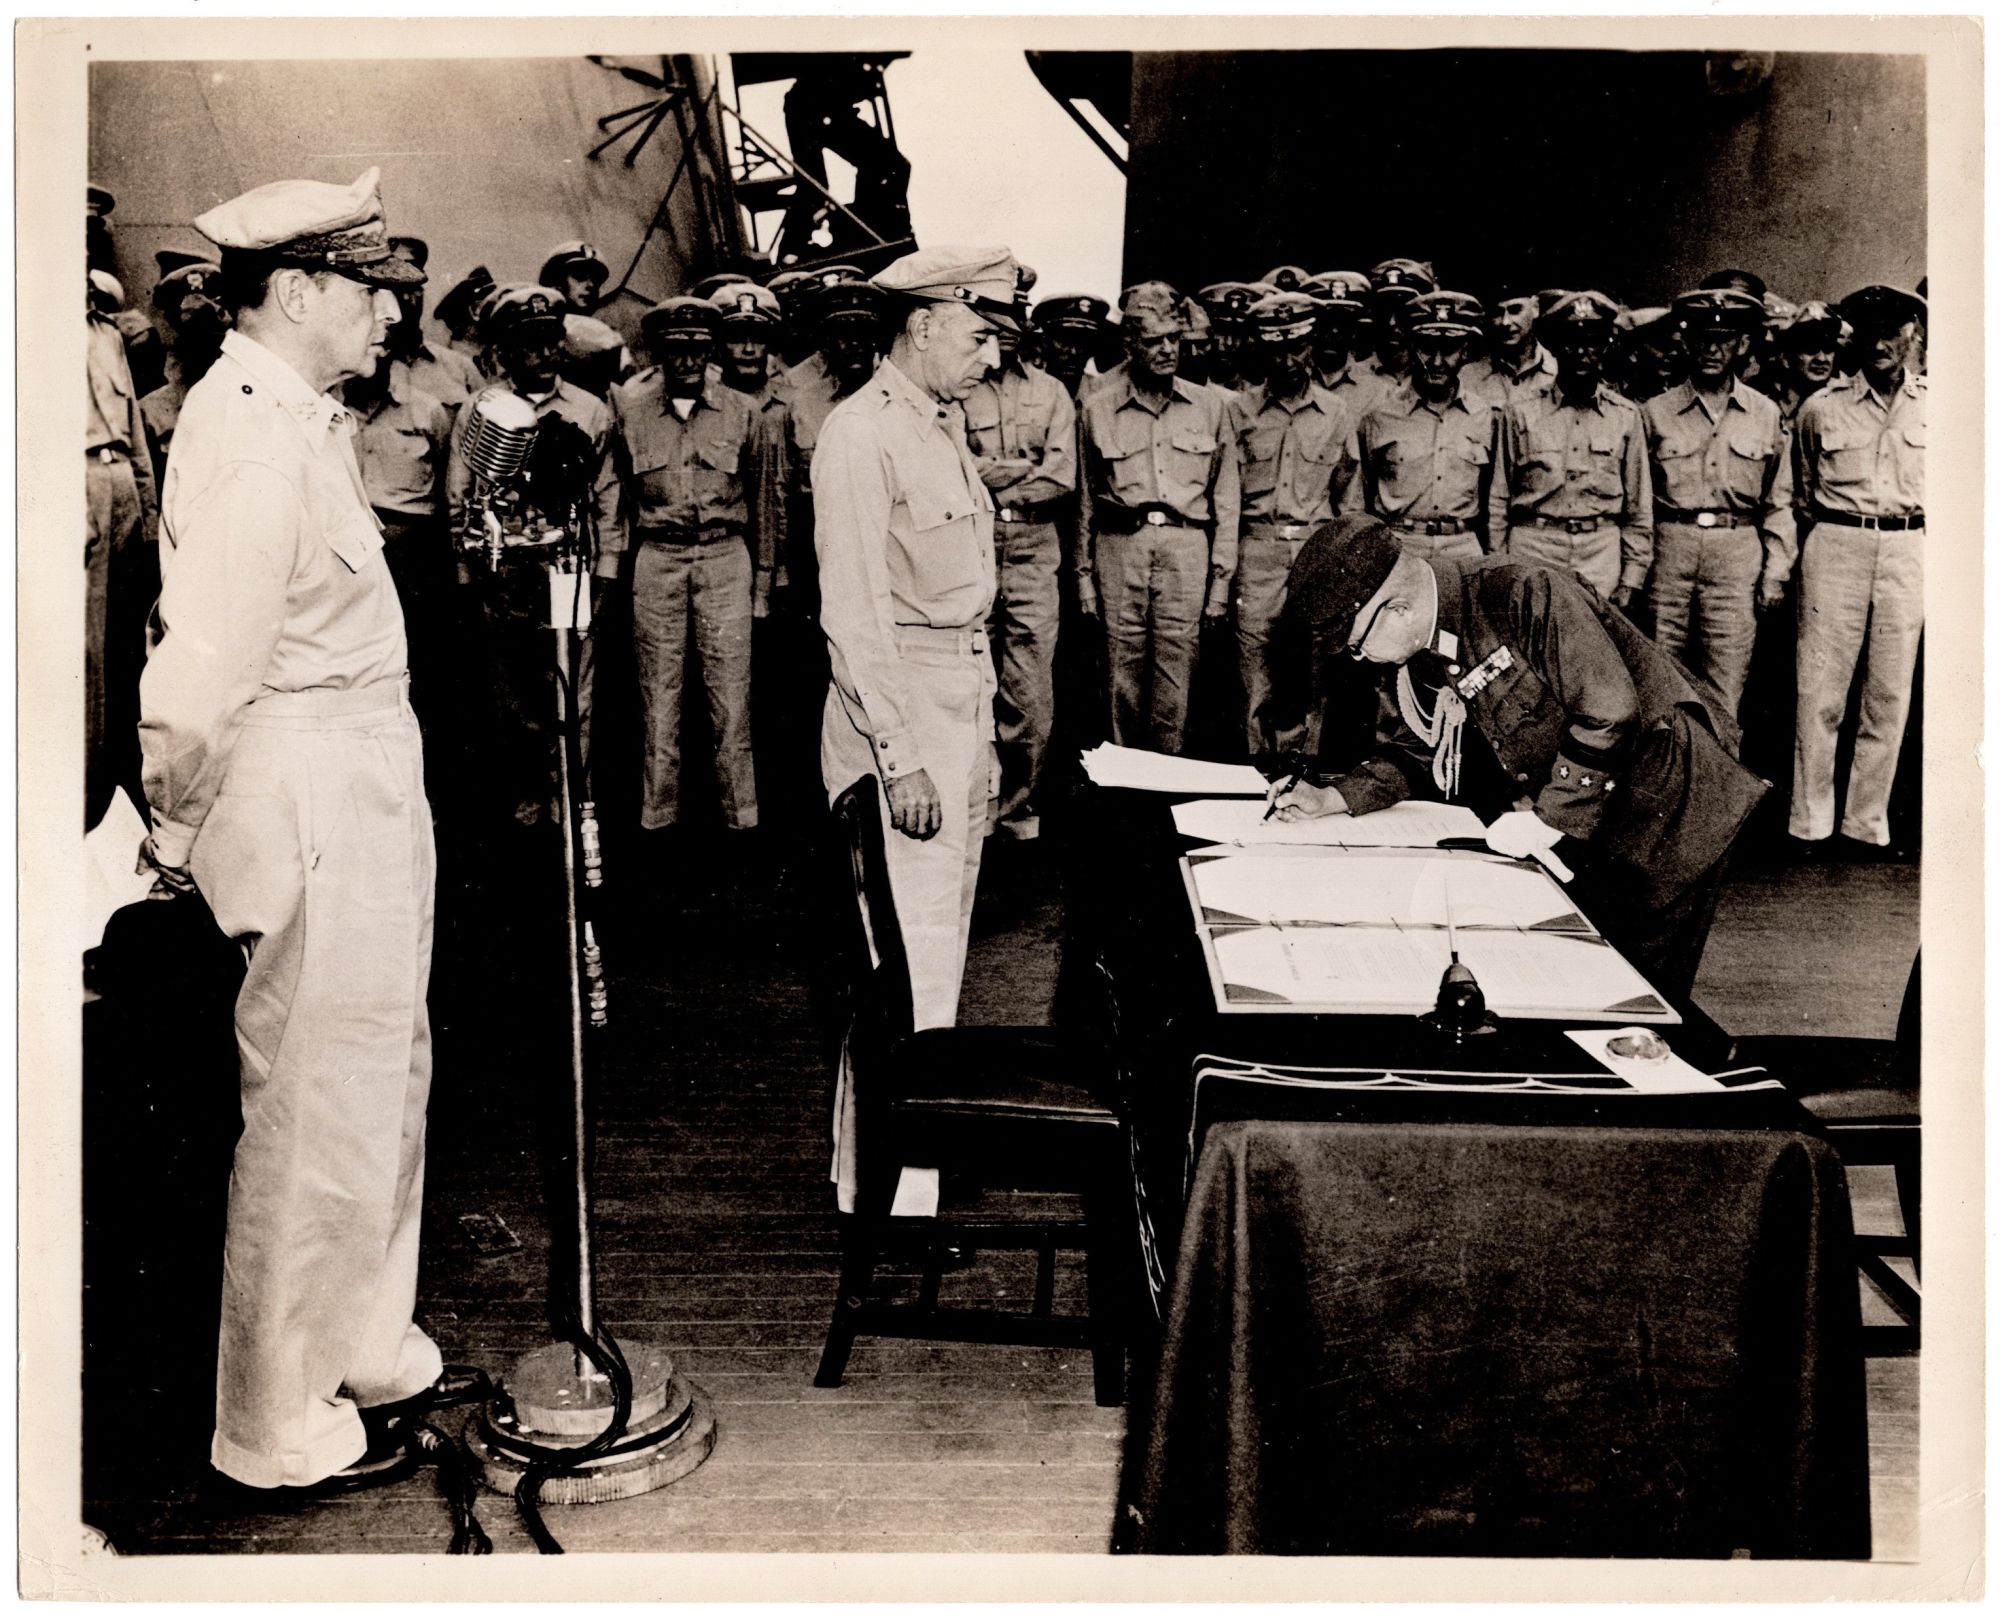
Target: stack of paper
x,y
1238,823
1127,768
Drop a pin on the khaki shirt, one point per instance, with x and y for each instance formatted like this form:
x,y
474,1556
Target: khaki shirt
x,y
1491,379
1421,461
1182,455
1735,460
113,419
1567,462
904,532
589,415
708,472
1854,451
401,443
1023,411
1298,455
446,374
272,578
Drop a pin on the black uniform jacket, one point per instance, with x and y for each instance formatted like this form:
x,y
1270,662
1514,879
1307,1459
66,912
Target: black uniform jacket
x,y
1605,735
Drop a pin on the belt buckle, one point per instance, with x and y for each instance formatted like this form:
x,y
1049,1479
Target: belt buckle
x,y
106,455
1008,514
1706,518
1156,518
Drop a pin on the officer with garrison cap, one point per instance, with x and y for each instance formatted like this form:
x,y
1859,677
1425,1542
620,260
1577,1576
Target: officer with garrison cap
x,y
1573,461
1296,442
1427,451
1722,498
1021,425
1515,690
693,458
1858,487
904,530
286,783
1159,509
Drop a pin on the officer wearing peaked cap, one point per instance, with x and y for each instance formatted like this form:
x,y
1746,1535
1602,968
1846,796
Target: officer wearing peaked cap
x,y
699,465
749,319
190,298
1573,467
277,669
457,311
1070,328
525,327
1227,304
1285,278
904,531
1647,355
1395,282
578,273
1858,489
1808,349
1427,450
1297,445
1158,519
1021,425
1340,298
1722,497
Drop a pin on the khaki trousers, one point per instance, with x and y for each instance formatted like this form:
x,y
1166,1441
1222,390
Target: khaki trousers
x,y
1856,587
1151,583
1263,570
1595,556
114,617
695,593
317,858
1704,592
1022,627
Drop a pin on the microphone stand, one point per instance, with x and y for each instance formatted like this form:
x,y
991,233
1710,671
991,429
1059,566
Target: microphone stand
x,y
587,1418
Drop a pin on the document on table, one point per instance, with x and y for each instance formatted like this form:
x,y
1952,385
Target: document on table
x,y
1371,931
1239,823
1392,888
1128,768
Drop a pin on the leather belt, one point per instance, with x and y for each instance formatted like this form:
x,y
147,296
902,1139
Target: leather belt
x,y
687,535
1702,518
1565,524
1130,518
1877,524
1034,510
1284,530
1432,526
108,454
968,641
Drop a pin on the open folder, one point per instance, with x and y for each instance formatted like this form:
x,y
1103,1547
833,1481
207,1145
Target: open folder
x,y
1371,931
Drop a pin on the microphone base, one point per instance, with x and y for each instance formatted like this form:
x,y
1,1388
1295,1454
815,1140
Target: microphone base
x,y
1485,1026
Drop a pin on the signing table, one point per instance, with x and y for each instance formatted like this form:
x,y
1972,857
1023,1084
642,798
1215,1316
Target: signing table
x,y
1427,1297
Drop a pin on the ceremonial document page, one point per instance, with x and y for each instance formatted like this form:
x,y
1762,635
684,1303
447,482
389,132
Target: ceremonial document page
x,y
1333,930
1237,822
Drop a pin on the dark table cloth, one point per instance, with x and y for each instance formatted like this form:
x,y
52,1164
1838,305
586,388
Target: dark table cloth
x,y
1463,1324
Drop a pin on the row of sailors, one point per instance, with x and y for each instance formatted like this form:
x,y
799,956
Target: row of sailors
x,y
1151,501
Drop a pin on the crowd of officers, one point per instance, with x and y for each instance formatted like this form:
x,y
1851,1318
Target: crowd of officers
x,y
1155,470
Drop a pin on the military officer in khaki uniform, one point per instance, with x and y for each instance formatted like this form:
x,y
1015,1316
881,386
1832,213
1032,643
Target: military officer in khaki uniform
x,y
1808,351
435,368
1858,488
1515,362
1021,426
1160,505
692,457
1341,296
1722,498
1297,446
904,529
189,297
1227,304
1573,461
577,272
1395,282
524,325
749,320
121,519
1427,451
1069,329
286,782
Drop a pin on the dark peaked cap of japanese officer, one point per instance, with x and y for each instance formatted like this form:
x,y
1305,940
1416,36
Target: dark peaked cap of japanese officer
x,y
984,279
1339,568
312,225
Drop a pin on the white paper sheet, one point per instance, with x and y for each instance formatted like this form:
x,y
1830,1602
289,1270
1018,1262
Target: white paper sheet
x,y
1395,888
1670,1075
111,854
1239,823
1128,768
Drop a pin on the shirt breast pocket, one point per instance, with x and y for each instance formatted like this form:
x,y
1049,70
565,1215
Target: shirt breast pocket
x,y
1604,473
1847,458
1190,453
1128,471
1746,466
354,539
718,472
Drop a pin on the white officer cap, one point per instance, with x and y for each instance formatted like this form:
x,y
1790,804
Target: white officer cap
x,y
982,278
314,225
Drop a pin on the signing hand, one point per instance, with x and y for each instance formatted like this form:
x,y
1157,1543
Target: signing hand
x,y
1521,835
914,807
1304,800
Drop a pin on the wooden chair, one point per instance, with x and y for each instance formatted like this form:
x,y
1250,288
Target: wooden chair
x,y
1005,1108
1867,1093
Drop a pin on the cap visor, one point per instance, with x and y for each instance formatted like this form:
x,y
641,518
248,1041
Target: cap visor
x,y
391,271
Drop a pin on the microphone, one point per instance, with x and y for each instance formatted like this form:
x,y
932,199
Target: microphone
x,y
500,434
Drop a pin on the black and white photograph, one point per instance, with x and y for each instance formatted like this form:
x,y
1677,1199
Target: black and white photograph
x,y
1088,808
